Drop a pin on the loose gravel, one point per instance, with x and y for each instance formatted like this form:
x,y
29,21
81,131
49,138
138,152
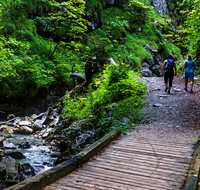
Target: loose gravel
x,y
173,117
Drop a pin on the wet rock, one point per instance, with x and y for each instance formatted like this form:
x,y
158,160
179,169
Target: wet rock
x,y
9,166
39,166
54,155
39,116
6,130
61,123
75,148
16,121
66,155
49,111
24,145
145,72
125,120
2,154
2,185
46,132
65,145
45,120
37,126
45,163
15,155
23,130
33,117
6,144
26,171
82,140
24,123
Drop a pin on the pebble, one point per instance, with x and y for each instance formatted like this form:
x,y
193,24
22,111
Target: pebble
x,y
177,90
157,105
164,96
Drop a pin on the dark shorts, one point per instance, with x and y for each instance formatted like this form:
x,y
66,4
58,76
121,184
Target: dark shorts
x,y
169,76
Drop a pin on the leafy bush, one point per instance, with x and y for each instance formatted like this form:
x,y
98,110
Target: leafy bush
x,y
116,88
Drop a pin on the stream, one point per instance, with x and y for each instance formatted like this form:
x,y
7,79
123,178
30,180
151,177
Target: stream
x,y
38,155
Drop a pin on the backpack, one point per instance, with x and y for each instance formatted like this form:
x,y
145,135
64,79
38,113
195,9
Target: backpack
x,y
169,65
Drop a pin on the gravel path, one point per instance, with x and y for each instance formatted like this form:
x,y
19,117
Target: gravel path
x,y
175,117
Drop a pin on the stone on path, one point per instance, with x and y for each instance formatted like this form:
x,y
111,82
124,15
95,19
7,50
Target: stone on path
x,y
163,96
177,90
157,105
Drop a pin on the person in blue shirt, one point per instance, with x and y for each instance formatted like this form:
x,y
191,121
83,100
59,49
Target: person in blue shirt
x,y
168,66
189,67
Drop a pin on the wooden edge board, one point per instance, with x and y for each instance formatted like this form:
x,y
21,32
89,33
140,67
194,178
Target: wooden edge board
x,y
193,175
43,179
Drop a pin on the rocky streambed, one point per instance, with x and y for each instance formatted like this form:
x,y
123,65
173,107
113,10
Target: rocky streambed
x,y
32,144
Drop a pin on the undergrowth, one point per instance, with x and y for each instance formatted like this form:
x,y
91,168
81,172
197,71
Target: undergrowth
x,y
116,92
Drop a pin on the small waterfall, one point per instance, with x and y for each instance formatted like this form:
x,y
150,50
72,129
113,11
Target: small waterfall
x,y
160,6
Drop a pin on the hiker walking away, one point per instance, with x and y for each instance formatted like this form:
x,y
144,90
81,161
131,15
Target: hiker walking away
x,y
168,65
189,67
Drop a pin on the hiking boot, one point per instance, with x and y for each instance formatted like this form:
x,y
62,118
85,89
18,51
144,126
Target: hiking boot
x,y
191,91
168,91
185,89
166,88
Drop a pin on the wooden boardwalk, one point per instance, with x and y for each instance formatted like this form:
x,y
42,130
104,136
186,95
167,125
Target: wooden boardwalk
x,y
135,164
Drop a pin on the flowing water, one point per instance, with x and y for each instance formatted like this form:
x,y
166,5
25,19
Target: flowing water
x,y
38,155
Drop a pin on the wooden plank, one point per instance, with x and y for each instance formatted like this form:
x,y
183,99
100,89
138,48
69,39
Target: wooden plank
x,y
143,163
109,180
54,186
140,156
80,184
129,176
141,160
151,151
137,167
153,156
153,174
181,145
151,183
97,183
157,147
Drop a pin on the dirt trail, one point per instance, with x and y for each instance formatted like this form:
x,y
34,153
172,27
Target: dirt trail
x,y
177,117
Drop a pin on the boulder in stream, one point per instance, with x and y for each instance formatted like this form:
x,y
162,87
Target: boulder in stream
x,y
26,171
6,144
24,145
15,155
8,167
23,130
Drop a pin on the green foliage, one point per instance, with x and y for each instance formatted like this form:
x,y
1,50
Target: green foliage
x,y
117,86
189,36
17,66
